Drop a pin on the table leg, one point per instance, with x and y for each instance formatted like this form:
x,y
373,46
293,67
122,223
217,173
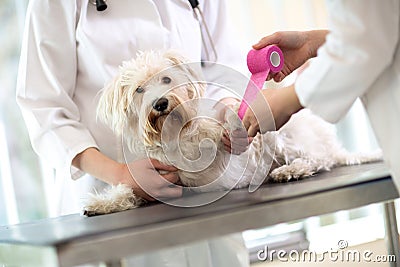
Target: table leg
x,y
392,235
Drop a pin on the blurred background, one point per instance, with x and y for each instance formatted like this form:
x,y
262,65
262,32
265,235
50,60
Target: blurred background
x,y
25,183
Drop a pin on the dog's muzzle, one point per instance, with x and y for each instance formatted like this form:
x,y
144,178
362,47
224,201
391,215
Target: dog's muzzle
x,y
160,104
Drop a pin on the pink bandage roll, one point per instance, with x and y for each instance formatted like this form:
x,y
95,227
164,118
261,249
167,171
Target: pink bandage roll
x,y
260,63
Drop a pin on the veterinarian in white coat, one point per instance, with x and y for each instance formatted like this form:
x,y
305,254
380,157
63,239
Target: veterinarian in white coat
x,y
358,57
69,51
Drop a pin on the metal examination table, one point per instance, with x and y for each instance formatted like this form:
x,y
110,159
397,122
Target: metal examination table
x,y
75,239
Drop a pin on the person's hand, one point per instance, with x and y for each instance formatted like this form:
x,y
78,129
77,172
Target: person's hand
x,y
271,110
237,141
234,137
297,48
150,179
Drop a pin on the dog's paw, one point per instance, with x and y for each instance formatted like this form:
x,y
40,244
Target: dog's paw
x,y
296,170
282,174
114,199
232,120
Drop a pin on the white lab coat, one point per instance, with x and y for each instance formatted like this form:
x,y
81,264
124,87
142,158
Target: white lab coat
x,y
69,52
361,57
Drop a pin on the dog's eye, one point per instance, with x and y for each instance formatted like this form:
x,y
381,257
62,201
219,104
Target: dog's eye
x,y
139,90
166,80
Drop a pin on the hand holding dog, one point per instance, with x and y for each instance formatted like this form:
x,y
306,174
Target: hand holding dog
x,y
145,178
146,182
237,141
235,138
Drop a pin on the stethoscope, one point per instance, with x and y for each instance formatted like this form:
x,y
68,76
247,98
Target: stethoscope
x,y
101,5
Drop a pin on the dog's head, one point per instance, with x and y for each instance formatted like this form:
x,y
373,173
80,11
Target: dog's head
x,y
148,90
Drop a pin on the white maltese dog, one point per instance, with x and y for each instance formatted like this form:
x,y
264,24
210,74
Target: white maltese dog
x,y
154,103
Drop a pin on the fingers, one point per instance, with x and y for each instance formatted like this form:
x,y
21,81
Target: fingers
x,y
169,189
225,139
250,123
278,77
160,166
240,133
171,177
227,148
268,40
172,191
146,196
151,179
252,131
164,187
236,142
240,148
246,120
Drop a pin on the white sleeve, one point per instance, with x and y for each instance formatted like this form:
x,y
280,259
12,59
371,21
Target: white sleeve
x,y
360,46
231,63
46,83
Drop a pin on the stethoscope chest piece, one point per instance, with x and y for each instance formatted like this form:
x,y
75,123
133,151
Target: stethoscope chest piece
x,y
101,5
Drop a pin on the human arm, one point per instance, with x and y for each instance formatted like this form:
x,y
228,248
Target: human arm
x,y
141,175
347,64
297,48
353,57
46,84
271,110
47,93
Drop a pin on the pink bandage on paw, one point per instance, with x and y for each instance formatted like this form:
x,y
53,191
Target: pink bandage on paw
x,y
260,63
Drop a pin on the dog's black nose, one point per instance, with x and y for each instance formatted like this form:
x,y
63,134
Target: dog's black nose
x,y
161,104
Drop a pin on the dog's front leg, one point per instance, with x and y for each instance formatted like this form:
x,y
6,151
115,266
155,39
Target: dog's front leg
x,y
298,168
113,199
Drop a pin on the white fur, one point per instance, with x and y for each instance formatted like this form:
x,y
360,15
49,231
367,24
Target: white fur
x,y
113,199
303,147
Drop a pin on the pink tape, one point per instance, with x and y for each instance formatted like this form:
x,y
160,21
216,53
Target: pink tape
x,y
260,63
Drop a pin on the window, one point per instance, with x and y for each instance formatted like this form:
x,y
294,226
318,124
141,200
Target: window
x,y
22,195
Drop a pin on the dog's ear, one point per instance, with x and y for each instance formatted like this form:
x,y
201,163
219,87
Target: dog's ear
x,y
176,59
113,105
193,69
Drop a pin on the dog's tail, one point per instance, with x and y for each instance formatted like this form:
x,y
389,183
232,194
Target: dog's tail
x,y
344,157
